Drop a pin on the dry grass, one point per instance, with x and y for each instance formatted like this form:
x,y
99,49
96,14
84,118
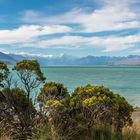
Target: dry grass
x,y
129,133
136,120
135,127
4,138
133,133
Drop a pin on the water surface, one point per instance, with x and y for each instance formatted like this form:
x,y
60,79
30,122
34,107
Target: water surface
x,y
122,80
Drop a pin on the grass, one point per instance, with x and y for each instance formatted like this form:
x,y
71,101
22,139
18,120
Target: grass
x,y
4,138
129,133
132,133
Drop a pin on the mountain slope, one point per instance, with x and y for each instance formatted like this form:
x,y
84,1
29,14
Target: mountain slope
x,y
7,59
132,60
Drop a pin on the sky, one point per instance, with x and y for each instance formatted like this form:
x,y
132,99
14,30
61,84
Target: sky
x,y
73,27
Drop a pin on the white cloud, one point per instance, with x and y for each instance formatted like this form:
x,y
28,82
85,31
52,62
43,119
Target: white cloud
x,y
120,2
136,51
65,41
27,34
29,54
114,15
108,44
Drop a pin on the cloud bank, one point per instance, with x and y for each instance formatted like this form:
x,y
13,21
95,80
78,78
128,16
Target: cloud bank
x,y
77,28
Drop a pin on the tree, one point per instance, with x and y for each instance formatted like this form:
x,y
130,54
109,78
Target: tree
x,y
17,112
24,104
4,71
55,99
30,75
53,91
84,111
52,96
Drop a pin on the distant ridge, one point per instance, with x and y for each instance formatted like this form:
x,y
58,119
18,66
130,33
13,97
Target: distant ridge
x,y
7,59
65,60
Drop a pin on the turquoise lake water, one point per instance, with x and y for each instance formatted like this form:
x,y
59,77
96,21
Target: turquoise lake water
x,y
122,80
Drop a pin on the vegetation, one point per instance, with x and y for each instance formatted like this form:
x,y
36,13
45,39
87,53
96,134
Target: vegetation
x,y
30,74
89,113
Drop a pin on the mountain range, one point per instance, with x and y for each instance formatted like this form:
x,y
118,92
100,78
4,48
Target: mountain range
x,y
65,60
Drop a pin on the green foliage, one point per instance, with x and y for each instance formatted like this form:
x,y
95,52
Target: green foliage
x,y
89,113
32,66
4,71
98,101
30,75
20,98
89,91
52,91
86,108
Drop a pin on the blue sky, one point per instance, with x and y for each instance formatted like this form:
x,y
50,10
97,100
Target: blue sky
x,y
74,27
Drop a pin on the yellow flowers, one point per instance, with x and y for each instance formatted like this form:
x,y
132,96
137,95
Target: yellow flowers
x,y
54,103
89,101
95,99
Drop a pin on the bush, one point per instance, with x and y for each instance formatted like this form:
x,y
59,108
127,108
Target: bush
x,y
96,112
100,105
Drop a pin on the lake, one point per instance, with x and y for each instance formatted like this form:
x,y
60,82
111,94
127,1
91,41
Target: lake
x,y
122,80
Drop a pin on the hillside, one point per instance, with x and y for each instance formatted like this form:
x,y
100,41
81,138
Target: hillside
x,y
7,59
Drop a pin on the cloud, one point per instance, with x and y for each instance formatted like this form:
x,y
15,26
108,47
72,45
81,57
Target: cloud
x,y
30,54
29,36
136,51
107,44
29,33
113,15
120,2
